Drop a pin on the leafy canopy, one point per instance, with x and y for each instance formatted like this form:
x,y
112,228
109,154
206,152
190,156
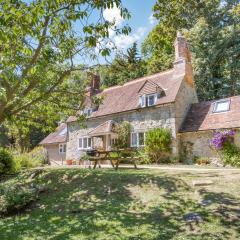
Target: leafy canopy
x,y
125,67
40,42
213,29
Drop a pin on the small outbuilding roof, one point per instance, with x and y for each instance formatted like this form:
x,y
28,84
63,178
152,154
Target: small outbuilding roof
x,y
59,136
201,116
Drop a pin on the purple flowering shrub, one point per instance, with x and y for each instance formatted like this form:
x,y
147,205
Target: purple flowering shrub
x,y
223,142
221,138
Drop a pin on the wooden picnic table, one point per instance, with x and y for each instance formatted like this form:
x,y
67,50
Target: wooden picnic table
x,y
103,155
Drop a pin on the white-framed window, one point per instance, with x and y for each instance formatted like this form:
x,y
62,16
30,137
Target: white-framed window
x,y
84,143
221,106
137,139
142,100
87,112
148,100
113,141
62,148
151,99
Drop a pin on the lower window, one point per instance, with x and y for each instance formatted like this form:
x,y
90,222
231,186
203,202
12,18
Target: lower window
x,y
84,143
137,139
62,148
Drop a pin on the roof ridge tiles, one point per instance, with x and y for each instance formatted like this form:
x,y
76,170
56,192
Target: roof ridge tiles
x,y
147,78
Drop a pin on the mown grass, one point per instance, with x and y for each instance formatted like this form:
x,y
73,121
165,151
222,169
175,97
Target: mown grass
x,y
126,204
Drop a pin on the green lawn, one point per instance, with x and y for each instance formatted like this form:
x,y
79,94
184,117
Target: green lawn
x,y
127,204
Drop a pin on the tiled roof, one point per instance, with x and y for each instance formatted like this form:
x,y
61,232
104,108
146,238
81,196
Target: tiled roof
x,y
103,128
201,116
59,136
126,97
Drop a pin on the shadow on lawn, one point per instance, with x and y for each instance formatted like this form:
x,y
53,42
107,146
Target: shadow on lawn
x,y
105,204
228,208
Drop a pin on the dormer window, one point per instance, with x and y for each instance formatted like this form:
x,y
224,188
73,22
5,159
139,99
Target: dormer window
x,y
151,99
87,112
221,106
148,100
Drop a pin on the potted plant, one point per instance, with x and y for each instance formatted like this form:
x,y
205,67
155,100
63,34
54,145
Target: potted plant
x,y
69,162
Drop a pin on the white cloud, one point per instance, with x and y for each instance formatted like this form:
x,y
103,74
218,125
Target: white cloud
x,y
124,41
113,15
152,19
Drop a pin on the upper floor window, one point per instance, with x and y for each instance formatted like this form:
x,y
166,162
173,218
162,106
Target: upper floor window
x,y
84,143
87,112
62,148
221,106
137,139
148,100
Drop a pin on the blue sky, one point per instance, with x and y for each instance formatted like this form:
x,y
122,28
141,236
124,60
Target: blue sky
x,y
141,12
141,21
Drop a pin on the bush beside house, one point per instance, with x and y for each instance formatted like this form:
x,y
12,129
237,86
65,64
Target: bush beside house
x,y
123,131
223,143
158,145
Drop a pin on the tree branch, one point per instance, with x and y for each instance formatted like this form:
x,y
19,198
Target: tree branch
x,y
38,49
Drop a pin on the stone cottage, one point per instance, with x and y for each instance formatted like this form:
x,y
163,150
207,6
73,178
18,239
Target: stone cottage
x,y
167,99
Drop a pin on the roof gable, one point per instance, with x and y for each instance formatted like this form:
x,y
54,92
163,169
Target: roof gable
x,y
149,87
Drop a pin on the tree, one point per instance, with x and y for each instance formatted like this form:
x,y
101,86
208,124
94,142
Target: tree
x,y
213,30
157,48
30,126
126,66
39,43
215,42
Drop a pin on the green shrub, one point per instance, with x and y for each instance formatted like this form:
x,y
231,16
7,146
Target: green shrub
x,y
231,154
37,157
6,161
158,144
13,198
144,158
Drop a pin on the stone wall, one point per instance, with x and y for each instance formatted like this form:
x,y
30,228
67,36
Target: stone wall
x,y
140,120
198,144
186,96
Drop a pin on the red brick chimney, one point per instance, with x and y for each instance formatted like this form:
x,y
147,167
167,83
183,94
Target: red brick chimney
x,y
183,57
94,86
95,82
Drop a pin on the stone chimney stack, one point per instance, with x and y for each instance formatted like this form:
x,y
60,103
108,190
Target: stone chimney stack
x,y
182,52
183,57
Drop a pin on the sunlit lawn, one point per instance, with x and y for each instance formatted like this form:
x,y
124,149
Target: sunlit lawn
x,y
128,204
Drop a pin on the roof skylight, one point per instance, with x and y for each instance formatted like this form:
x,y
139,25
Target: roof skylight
x,y
221,106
